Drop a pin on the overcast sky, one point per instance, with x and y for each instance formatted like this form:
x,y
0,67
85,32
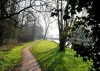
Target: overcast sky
x,y
53,27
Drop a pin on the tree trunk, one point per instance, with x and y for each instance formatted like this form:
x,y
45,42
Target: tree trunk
x,y
1,35
19,36
1,41
62,44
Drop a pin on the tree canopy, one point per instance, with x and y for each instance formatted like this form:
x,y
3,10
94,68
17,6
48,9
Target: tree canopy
x,y
91,51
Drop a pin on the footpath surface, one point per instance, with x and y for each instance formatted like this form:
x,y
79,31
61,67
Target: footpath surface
x,y
29,62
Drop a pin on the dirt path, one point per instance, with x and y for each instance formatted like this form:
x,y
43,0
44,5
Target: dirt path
x,y
29,62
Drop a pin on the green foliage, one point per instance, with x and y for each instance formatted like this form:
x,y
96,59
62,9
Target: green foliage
x,y
92,21
51,59
10,59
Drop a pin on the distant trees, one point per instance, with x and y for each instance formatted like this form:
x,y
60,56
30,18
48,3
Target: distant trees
x,y
31,32
11,21
38,32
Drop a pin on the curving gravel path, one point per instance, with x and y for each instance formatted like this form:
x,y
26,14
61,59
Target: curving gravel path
x,y
29,63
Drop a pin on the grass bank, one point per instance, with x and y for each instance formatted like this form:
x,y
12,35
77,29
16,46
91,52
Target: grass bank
x,y
51,59
10,58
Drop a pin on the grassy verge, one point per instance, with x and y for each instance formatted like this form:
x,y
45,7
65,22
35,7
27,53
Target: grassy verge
x,y
9,59
50,59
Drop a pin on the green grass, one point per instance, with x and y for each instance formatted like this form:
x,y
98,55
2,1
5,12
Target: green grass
x,y
50,59
9,59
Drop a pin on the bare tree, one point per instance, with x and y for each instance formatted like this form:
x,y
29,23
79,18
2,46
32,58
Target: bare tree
x,y
10,9
62,25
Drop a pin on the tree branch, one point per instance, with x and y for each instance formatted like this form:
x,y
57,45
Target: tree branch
x,y
9,16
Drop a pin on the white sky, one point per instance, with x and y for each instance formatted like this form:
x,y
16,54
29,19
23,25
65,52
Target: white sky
x,y
53,28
